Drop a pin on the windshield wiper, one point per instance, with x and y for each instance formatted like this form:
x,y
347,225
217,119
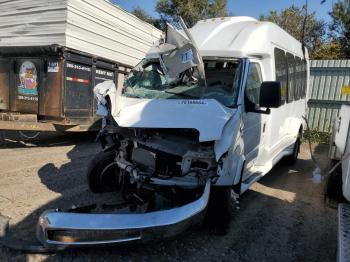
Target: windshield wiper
x,y
181,94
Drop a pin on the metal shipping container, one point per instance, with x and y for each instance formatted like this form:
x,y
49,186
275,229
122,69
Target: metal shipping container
x,y
96,27
329,89
50,88
53,52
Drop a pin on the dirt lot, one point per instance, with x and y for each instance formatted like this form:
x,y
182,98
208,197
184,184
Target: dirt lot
x,y
282,218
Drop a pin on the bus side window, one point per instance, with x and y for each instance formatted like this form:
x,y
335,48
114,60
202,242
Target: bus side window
x,y
281,67
252,90
291,77
298,78
304,77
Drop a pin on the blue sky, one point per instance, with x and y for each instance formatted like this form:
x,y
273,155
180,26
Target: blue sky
x,y
244,7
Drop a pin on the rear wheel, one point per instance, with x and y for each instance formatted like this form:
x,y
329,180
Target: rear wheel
x,y
101,172
292,159
334,186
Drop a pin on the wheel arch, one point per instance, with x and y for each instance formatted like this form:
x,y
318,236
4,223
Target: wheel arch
x,y
232,167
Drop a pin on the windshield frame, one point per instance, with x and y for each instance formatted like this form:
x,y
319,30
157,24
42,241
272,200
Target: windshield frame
x,y
182,96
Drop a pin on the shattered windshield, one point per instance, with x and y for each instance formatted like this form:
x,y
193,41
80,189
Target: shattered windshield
x,y
147,80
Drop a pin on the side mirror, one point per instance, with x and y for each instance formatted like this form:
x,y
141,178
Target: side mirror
x,y
270,94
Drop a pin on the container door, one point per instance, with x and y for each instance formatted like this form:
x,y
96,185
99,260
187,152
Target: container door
x,y
5,66
78,91
50,104
27,85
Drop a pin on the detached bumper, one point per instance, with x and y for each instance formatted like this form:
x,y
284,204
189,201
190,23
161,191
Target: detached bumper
x,y
60,230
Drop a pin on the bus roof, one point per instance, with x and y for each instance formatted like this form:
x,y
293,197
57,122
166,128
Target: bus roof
x,y
242,36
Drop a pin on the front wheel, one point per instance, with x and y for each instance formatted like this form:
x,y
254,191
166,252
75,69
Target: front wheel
x,y
220,209
101,173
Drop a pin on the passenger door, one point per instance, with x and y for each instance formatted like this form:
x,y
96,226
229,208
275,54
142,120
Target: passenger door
x,y
253,122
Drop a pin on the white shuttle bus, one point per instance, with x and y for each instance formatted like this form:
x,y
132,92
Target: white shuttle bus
x,y
208,111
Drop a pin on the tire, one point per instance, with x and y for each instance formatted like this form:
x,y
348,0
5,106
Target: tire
x,y
219,210
221,206
334,186
101,180
292,159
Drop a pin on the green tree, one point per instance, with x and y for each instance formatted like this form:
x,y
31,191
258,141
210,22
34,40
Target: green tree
x,y
292,20
340,27
191,10
140,13
330,50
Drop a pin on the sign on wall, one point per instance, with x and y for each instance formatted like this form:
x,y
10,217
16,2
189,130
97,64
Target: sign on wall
x,y
28,76
345,90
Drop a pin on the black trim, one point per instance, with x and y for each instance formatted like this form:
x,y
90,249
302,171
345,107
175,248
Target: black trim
x,y
10,51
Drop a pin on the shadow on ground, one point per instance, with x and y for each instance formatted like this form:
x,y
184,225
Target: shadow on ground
x,y
281,218
17,139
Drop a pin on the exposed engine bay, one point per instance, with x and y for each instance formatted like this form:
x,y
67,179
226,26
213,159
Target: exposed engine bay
x,y
153,165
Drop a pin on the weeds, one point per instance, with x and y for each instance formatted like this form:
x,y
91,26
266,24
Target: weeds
x,y
316,137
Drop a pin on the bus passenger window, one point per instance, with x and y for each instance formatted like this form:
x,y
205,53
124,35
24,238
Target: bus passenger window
x,y
304,77
300,77
291,77
252,90
281,72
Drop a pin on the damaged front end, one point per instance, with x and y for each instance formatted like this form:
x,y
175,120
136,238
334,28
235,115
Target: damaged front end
x,y
163,178
167,137
160,156
161,175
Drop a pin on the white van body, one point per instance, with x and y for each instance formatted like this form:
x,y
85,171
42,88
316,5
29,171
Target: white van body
x,y
266,138
263,139
191,117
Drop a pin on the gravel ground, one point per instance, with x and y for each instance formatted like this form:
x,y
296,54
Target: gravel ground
x,y
282,217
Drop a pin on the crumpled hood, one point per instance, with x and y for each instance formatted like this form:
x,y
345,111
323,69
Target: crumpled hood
x,y
207,116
